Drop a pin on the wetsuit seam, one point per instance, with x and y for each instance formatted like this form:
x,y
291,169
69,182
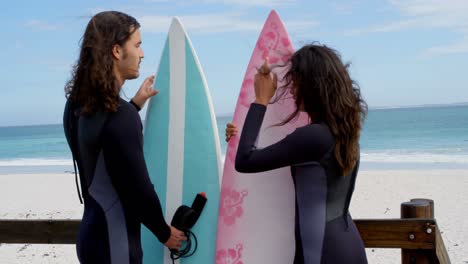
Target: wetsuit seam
x,y
117,200
336,217
325,216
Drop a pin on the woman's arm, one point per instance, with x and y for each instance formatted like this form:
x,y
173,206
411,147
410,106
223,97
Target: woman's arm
x,y
309,143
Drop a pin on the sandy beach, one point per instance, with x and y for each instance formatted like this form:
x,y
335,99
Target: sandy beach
x,y
378,194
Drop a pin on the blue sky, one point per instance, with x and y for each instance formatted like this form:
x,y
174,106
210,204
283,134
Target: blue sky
x,y
403,52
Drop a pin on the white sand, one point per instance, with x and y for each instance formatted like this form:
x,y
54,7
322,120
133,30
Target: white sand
x,y
378,194
38,196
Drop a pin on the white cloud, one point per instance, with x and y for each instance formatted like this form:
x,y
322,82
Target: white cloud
x,y
95,10
346,8
427,15
251,2
424,14
393,26
215,23
435,13
247,3
430,7
41,25
157,1
460,47
155,24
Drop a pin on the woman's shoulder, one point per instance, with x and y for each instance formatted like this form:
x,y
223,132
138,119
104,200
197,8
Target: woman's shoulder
x,y
315,131
320,128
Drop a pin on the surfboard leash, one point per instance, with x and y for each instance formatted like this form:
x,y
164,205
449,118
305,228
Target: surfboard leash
x,y
184,219
187,250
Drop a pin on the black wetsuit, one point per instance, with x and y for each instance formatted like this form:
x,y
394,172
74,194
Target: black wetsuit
x,y
325,232
118,194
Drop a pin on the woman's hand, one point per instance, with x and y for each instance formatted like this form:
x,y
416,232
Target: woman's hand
x,y
231,130
265,85
145,92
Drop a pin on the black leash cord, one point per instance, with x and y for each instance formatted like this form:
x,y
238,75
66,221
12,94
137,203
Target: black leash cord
x,y
187,250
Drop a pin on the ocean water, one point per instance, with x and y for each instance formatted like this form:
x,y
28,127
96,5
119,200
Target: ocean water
x,y
401,138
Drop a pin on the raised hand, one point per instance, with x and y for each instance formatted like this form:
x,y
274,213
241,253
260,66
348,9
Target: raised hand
x,y
145,92
265,84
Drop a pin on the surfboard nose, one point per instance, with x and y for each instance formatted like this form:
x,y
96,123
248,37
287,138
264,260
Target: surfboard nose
x,y
273,15
176,24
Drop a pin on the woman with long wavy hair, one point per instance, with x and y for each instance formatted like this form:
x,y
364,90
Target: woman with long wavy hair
x,y
323,155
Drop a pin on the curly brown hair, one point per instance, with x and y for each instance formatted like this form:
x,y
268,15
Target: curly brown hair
x,y
93,83
324,89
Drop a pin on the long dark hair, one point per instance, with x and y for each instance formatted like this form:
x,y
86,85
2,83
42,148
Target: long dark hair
x,y
324,89
93,83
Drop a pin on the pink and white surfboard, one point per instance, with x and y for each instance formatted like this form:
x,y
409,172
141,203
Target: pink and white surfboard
x,y
256,212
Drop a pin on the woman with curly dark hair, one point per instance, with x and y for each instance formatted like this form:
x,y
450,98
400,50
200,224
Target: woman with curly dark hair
x,y
323,155
104,133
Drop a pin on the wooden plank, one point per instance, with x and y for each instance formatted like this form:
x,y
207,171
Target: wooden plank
x,y
39,231
441,251
391,233
396,233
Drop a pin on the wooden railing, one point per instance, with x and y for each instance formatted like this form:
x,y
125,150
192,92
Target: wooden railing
x,y
416,233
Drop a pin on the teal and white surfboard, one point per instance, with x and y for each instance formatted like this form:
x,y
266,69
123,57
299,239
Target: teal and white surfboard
x,y
181,146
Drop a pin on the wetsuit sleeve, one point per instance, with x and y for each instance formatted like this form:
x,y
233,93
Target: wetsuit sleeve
x,y
137,107
309,143
123,152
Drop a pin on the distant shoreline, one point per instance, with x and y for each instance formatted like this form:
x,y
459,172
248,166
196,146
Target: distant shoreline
x,y
364,166
418,106
371,108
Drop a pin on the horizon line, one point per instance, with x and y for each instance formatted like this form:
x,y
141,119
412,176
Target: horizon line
x,y
395,107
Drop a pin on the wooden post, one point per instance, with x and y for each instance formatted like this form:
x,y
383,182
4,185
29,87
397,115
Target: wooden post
x,y
418,208
431,204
